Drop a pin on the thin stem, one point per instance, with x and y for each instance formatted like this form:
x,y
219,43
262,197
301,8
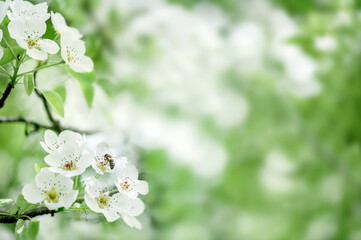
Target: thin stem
x,y
97,175
39,68
11,50
76,182
56,124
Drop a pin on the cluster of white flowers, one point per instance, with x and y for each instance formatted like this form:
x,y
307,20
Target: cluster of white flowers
x,y
68,157
28,25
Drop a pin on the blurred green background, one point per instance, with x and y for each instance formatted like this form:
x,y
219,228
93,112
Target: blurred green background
x,y
243,116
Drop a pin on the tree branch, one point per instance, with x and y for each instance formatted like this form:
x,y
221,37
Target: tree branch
x,y
32,213
37,126
6,94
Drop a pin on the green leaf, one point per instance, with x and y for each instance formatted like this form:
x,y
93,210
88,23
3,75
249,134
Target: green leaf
x,y
8,56
21,206
61,91
55,102
5,202
32,230
29,84
86,82
39,165
86,77
88,92
19,227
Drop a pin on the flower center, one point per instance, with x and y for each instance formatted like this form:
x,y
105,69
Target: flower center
x,y
102,165
125,185
103,200
52,195
32,43
69,166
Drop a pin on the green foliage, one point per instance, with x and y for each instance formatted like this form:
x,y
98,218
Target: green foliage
x,y
61,91
55,102
86,82
26,232
21,206
29,84
39,165
5,202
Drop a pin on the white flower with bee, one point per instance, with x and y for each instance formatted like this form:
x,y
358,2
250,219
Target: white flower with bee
x,y
54,191
100,200
69,161
106,160
128,183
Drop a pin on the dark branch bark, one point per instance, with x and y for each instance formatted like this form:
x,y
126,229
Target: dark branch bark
x,y
32,213
37,126
6,94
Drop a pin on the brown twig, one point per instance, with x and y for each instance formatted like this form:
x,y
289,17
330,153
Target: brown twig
x,y
31,213
37,126
6,94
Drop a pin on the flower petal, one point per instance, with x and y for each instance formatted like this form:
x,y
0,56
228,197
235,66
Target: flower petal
x,y
131,221
48,46
91,203
86,160
102,149
84,64
37,54
43,178
46,149
120,202
53,159
51,139
136,207
141,187
129,171
32,194
69,199
110,215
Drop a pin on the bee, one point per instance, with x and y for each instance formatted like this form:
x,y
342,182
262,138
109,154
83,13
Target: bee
x,y
109,159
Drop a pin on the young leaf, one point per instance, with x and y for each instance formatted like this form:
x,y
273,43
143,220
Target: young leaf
x,y
86,82
29,84
5,202
85,77
21,206
39,165
55,102
61,91
32,230
88,92
19,227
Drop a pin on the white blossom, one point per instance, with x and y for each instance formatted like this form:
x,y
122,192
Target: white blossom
x,y
101,165
52,142
73,53
25,10
28,33
136,208
128,182
69,161
54,191
61,27
4,6
100,201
